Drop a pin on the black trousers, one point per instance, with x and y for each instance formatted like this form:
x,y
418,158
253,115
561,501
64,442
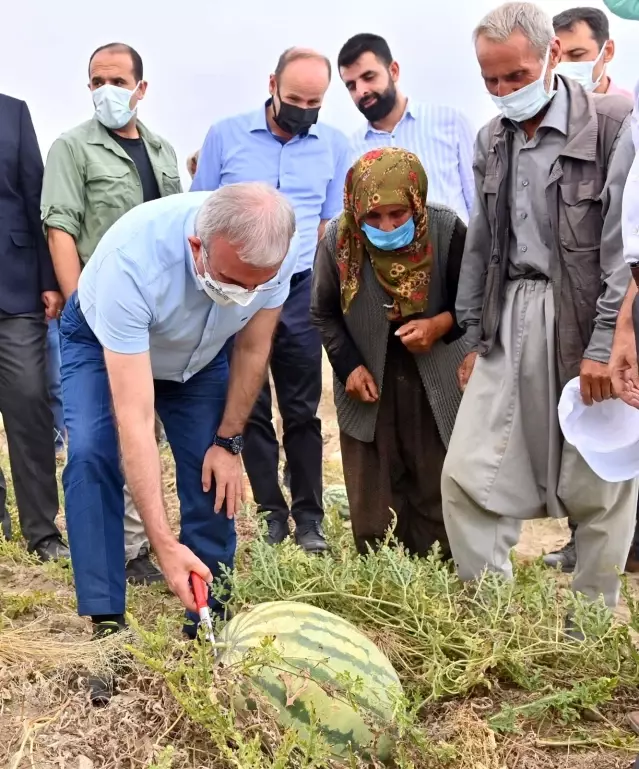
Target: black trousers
x,y
296,366
5,520
28,423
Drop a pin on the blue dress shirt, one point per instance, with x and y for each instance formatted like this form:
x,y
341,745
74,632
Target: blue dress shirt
x,y
310,169
139,290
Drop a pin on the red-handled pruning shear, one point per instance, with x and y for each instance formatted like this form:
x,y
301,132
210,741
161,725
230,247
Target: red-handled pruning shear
x,y
201,593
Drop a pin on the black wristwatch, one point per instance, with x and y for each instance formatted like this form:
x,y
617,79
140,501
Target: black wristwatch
x,y
234,445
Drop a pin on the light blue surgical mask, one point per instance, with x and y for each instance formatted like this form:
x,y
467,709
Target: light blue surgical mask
x,y
394,239
113,105
583,71
528,101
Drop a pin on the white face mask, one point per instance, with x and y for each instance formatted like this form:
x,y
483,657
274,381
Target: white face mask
x,y
223,294
112,105
582,71
528,101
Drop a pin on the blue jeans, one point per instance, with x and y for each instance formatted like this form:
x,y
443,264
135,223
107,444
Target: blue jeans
x,y
54,383
190,412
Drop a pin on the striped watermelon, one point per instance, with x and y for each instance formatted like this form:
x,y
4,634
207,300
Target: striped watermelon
x,y
315,646
335,497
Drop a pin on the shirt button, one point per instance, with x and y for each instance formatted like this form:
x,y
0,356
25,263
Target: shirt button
x,y
524,248
525,183
524,215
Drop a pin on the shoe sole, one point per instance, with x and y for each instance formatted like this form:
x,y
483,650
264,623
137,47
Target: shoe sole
x,y
315,551
562,569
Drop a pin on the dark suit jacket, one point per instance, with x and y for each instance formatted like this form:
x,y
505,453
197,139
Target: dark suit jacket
x,y
26,269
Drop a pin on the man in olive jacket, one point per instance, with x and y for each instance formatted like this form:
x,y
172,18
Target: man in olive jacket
x,y
94,174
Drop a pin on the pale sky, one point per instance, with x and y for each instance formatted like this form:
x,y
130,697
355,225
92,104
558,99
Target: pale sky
x,y
205,59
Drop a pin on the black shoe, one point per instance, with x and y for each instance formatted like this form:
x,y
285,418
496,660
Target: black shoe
x,y
566,558
278,532
142,570
5,524
310,537
572,631
52,549
102,687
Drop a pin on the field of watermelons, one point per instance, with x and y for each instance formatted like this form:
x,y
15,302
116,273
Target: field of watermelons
x,y
340,661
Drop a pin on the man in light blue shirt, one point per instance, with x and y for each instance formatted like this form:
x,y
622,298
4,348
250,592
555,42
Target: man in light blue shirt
x,y
282,144
169,284
440,136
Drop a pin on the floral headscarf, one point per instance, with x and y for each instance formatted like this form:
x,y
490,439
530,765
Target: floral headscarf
x,y
385,177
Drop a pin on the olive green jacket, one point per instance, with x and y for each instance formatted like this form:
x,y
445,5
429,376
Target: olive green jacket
x,y
90,182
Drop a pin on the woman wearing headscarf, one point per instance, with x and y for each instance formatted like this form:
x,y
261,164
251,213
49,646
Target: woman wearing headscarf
x,y
384,289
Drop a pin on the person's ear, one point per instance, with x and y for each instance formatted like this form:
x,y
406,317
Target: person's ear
x,y
555,53
141,90
609,52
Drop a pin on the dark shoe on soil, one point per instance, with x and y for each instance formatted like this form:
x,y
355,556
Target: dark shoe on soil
x,y
310,537
572,631
142,570
102,687
566,558
52,549
5,524
101,690
277,532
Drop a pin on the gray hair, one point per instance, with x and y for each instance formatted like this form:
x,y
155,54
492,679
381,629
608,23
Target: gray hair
x,y
534,23
253,217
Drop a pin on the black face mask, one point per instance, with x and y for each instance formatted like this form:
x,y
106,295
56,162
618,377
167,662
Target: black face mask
x,y
383,105
293,119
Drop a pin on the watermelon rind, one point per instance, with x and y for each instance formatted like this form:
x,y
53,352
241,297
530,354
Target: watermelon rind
x,y
335,498
323,670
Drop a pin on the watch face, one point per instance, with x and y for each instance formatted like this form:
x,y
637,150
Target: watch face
x,y
235,444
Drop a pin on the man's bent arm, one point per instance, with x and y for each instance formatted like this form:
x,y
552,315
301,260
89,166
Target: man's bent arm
x,y
624,319
249,362
66,261
614,271
472,278
133,394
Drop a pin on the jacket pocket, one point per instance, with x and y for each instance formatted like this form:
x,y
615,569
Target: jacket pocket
x,y
171,184
490,189
23,239
491,306
580,216
109,186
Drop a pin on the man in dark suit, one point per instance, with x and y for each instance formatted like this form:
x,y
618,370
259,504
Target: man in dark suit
x,y
28,293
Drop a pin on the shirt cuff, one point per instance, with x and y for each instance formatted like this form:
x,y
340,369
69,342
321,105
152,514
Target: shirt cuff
x,y
471,336
60,222
600,345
